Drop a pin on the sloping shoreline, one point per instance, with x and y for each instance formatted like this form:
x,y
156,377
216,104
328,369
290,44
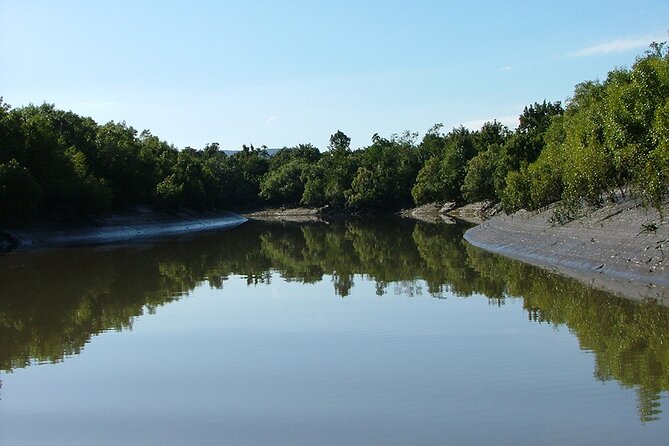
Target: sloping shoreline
x,y
619,247
140,225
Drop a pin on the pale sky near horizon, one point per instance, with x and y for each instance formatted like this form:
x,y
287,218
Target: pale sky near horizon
x,y
282,73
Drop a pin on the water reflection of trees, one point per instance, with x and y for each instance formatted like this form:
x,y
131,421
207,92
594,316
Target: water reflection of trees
x,y
52,302
630,341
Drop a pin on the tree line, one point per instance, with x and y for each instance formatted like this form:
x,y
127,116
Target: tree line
x,y
609,137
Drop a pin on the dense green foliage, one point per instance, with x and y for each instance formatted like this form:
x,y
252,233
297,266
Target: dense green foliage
x,y
613,134
59,165
283,182
610,136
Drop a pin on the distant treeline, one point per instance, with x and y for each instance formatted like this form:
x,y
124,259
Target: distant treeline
x,y
611,135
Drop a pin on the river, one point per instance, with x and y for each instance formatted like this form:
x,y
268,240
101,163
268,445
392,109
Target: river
x,y
382,331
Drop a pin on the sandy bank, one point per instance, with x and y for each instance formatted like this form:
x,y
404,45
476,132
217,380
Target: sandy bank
x,y
620,247
143,224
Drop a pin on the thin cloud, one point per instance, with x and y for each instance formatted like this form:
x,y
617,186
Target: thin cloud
x,y
270,121
618,46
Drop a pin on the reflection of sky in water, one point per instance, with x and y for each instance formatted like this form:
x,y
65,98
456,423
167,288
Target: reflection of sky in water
x,y
285,362
299,365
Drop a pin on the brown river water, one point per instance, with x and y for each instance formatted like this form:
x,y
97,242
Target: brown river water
x,y
383,331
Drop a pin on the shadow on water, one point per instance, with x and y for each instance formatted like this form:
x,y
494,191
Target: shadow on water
x,y
54,301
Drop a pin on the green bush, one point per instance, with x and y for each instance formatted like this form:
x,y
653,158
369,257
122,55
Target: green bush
x,y
284,184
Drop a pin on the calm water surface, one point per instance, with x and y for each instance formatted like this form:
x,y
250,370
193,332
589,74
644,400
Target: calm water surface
x,y
388,332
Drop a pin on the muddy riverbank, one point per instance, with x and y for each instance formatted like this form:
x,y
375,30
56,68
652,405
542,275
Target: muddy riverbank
x,y
620,247
137,225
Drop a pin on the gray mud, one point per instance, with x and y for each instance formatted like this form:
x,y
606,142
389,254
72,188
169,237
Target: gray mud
x,y
289,215
620,247
121,228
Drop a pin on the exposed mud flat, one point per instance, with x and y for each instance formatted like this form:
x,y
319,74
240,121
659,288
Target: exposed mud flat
x,y
449,212
289,214
430,213
620,247
477,212
142,224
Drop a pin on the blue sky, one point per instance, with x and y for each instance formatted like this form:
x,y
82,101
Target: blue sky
x,y
283,73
